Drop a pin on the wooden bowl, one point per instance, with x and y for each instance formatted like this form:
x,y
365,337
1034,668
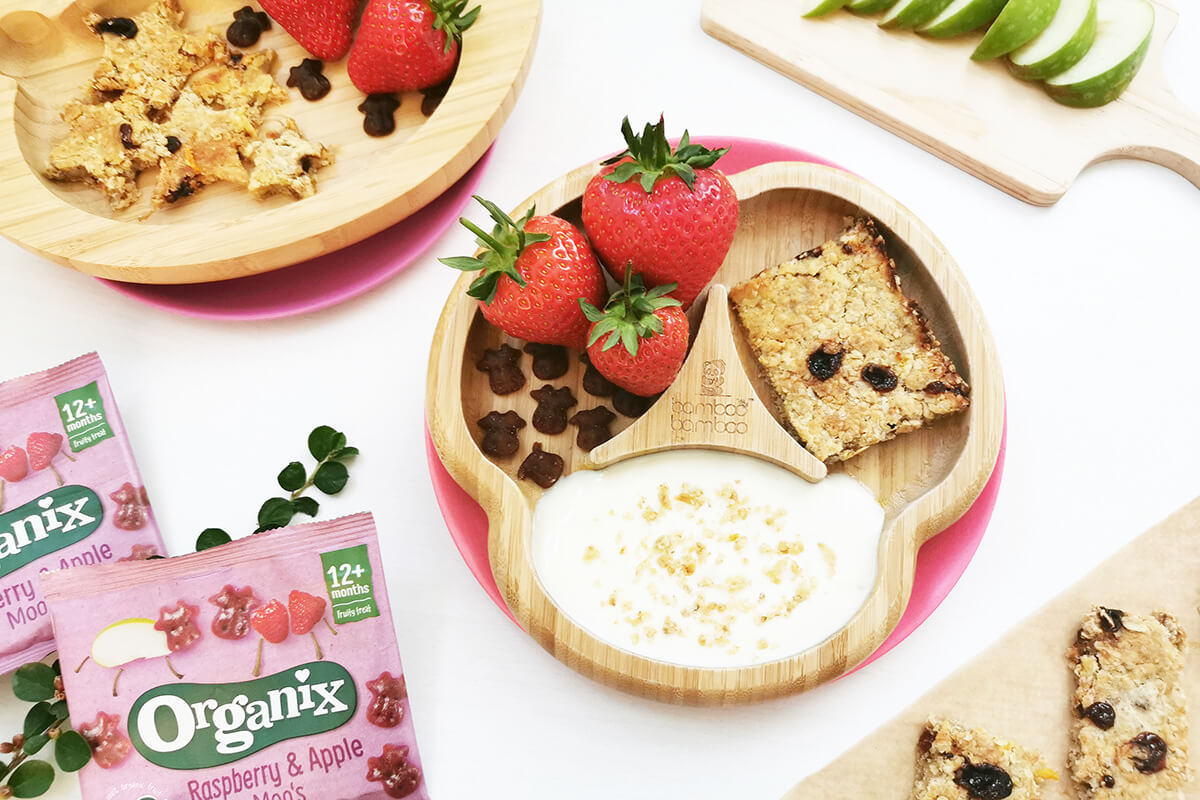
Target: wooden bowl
x,y
925,480
48,55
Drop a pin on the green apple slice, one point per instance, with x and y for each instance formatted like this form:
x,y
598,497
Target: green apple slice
x,y
962,16
819,8
869,6
1060,46
128,640
1124,28
1020,21
911,13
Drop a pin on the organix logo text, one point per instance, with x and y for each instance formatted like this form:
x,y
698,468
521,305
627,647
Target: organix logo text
x,y
53,521
197,725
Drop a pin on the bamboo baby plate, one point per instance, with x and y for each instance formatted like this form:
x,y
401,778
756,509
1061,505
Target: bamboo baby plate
x,y
47,56
925,480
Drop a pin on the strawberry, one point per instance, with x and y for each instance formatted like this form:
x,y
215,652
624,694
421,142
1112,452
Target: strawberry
x,y
668,213
322,27
271,621
306,610
43,447
405,45
532,275
14,465
652,330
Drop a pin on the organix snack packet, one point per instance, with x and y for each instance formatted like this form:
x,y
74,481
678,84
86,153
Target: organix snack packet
x,y
263,668
69,494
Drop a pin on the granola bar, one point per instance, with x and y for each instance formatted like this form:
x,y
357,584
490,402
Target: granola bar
x,y
956,762
850,359
1130,737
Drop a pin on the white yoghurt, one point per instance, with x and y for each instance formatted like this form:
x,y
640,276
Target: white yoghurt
x,y
707,559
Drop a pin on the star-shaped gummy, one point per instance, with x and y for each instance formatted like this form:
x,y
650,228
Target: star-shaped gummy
x,y
232,620
391,768
108,743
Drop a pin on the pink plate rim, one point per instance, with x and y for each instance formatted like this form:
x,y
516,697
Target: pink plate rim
x,y
941,561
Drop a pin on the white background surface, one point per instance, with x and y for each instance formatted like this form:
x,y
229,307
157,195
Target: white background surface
x,y
1094,305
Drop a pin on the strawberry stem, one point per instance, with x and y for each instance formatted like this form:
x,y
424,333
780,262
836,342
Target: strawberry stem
x,y
70,457
327,625
320,655
653,158
628,316
57,477
500,250
449,17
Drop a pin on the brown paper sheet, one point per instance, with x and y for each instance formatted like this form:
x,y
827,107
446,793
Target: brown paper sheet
x,y
1020,688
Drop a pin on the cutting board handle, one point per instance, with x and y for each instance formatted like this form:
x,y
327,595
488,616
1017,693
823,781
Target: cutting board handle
x,y
1162,130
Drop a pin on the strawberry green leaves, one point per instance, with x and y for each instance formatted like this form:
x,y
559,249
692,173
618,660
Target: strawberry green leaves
x,y
652,158
500,250
328,446
628,316
450,17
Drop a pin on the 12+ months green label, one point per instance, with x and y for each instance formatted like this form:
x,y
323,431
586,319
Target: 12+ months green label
x,y
199,725
348,579
53,521
83,417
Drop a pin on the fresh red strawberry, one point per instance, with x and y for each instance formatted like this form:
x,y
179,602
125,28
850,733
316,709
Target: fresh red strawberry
x,y
533,273
405,45
640,339
322,27
14,465
271,621
306,610
669,214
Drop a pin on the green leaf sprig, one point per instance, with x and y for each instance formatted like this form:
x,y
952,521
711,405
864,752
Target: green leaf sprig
x,y
651,157
45,722
326,445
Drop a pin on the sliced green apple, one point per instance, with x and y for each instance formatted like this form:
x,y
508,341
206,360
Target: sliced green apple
x,y
819,8
1020,21
869,6
128,640
912,13
1060,46
1123,31
962,16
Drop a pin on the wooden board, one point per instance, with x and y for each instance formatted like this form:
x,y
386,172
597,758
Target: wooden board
x,y
1020,688
925,480
223,232
976,116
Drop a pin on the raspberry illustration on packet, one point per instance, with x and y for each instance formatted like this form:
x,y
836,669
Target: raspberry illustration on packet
x,y
251,702
70,494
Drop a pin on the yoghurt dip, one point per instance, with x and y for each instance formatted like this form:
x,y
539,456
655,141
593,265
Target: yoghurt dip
x,y
707,559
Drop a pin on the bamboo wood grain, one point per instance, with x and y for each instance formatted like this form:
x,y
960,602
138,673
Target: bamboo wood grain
x,y
976,116
223,232
1020,688
925,480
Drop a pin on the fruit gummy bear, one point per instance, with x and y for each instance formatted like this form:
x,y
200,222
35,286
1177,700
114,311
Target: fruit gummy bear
x,y
67,494
226,691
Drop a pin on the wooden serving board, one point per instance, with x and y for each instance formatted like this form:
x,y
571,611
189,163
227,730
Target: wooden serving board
x,y
1020,688
925,480
977,116
47,55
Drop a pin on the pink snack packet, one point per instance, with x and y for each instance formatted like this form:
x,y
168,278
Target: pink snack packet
x,y
69,494
263,668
